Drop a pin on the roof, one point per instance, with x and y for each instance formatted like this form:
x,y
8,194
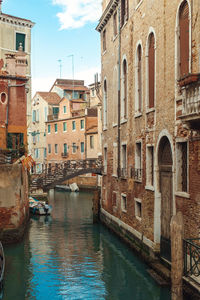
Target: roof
x,y
91,125
73,88
19,21
50,97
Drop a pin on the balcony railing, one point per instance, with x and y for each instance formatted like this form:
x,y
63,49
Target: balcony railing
x,y
192,258
64,154
123,172
52,117
191,102
136,173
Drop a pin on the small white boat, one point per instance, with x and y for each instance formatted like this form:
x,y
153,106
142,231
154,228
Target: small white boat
x,y
74,187
37,207
63,187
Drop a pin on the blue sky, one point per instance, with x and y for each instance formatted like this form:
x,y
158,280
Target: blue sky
x,y
63,28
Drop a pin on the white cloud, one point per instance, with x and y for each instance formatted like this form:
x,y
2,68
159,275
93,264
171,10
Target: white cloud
x,y
77,13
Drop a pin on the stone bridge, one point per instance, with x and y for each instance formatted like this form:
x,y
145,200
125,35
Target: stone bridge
x,y
56,174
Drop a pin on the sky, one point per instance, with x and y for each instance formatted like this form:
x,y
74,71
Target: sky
x,y
64,30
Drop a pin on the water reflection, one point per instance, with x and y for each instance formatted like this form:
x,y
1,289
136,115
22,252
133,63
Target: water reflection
x,y
65,256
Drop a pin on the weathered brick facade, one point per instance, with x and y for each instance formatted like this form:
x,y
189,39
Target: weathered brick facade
x,y
151,152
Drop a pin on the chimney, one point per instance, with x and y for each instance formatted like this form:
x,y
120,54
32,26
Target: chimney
x,y
0,6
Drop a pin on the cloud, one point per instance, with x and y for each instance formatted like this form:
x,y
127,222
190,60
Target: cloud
x,y
77,13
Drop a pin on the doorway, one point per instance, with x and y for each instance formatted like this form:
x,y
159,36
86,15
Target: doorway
x,y
165,184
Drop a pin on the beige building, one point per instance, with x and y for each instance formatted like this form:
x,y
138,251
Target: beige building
x,y
15,31
44,104
151,133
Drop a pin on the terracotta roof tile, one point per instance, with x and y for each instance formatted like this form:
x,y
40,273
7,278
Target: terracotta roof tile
x,y
51,98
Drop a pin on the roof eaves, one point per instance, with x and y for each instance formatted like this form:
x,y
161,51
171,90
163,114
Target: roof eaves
x,y
107,14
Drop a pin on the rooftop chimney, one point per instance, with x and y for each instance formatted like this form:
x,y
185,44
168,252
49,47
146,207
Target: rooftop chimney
x,y
0,6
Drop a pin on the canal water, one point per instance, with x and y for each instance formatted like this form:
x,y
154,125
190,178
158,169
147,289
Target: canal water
x,y
66,256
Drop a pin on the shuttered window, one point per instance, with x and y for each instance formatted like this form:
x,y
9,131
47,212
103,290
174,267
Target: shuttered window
x,y
151,67
184,39
124,89
139,78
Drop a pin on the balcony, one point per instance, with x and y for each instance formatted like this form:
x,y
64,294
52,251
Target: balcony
x,y
190,88
52,117
136,174
123,172
64,154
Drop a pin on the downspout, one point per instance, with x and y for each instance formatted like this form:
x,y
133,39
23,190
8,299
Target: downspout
x,y
119,95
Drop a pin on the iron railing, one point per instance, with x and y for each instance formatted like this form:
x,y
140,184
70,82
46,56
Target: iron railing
x,y
123,172
9,156
192,257
136,173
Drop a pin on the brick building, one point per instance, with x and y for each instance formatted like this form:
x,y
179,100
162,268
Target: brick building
x,y
15,31
13,102
151,138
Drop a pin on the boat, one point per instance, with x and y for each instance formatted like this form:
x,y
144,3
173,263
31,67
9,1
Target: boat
x,y
74,187
37,207
63,187
2,267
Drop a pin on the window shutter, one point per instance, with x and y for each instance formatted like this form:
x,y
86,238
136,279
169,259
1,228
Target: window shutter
x,y
151,70
139,78
184,39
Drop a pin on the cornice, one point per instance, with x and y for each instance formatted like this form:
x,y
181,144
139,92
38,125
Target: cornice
x,y
107,14
15,20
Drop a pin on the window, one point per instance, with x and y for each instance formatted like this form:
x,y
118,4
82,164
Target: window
x,y
151,71
115,152
114,199
73,125
105,160
150,166
124,97
105,104
124,161
82,147
184,38
37,115
123,202
74,148
65,109
45,152
45,114
64,126
34,137
3,98
182,167
138,81
56,148
91,142
20,41
34,115
138,161
82,124
56,127
49,148
104,40
38,136
36,153
65,148
124,11
115,24
49,128
115,96
138,209
55,110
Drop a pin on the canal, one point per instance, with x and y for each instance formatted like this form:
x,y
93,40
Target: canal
x,y
66,256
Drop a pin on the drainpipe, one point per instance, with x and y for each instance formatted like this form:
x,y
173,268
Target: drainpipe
x,y
119,94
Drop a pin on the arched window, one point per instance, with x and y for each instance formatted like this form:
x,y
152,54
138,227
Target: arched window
x,y
115,96
151,70
3,98
138,76
184,39
105,103
124,95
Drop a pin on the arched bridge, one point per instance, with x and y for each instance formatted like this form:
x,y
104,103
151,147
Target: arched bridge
x,y
59,172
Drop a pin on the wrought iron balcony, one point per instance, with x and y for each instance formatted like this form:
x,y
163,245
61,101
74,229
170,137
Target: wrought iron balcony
x,y
136,173
190,88
64,154
192,258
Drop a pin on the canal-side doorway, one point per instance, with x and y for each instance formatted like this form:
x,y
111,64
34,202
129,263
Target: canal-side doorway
x,y
165,181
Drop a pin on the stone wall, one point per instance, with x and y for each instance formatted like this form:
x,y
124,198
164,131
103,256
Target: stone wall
x,y
14,204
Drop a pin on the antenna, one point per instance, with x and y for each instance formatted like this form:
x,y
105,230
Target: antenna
x,y
60,65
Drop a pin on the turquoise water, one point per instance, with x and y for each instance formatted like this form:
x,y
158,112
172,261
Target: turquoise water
x,y
66,256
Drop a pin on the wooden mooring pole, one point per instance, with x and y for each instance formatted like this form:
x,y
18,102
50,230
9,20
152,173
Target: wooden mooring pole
x,y
177,258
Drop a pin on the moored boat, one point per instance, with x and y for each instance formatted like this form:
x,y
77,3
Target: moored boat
x,y
37,207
